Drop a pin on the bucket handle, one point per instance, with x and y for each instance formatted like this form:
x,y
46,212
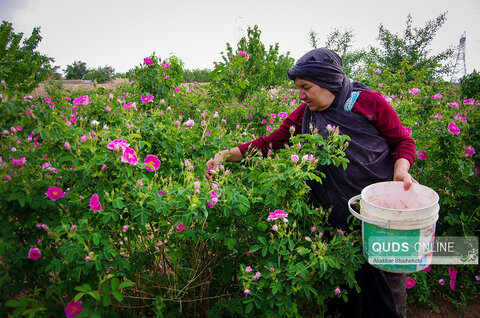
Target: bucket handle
x,y
380,223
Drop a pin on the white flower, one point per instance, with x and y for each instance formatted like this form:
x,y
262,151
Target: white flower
x,y
189,122
95,123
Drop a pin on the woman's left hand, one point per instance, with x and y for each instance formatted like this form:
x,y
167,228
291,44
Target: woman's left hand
x,y
400,173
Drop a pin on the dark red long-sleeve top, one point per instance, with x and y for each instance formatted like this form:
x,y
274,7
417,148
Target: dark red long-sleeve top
x,y
370,104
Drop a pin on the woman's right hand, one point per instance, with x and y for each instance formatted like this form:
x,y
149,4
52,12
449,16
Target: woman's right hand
x,y
233,154
213,164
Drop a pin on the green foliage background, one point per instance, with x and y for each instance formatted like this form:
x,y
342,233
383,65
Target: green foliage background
x,y
22,68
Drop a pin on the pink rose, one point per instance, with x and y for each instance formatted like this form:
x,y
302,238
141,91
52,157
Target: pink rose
x,y
54,193
277,214
117,144
129,156
146,99
18,162
82,100
73,308
152,163
410,282
244,54
95,203
469,151
422,155
34,254
414,91
453,129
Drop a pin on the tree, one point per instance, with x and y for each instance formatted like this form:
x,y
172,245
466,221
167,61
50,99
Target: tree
x,y
313,37
77,70
101,74
21,66
157,77
470,85
250,67
55,74
340,42
413,49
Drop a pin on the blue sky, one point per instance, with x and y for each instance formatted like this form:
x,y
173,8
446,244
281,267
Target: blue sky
x,y
120,33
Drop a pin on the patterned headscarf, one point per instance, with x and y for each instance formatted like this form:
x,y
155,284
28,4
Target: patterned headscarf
x,y
325,68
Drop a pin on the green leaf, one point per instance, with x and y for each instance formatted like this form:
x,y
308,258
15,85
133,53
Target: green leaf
x,y
95,294
126,284
143,143
96,238
271,249
13,303
255,248
106,300
274,288
118,202
249,308
106,218
21,201
84,288
264,251
114,283
291,245
117,295
231,243
262,240
78,296
141,216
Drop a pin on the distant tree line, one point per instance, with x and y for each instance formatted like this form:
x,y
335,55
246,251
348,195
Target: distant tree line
x,y
401,59
78,70
404,59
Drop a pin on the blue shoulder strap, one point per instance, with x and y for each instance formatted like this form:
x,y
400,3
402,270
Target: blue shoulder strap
x,y
351,101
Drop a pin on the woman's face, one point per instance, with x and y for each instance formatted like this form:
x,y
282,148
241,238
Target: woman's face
x,y
316,97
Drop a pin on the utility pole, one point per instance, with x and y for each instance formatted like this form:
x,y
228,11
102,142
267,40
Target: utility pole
x,y
460,68
239,26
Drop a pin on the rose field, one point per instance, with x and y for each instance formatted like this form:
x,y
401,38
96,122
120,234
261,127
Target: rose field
x,y
107,212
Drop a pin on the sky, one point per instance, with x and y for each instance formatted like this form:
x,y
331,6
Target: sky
x,y
120,33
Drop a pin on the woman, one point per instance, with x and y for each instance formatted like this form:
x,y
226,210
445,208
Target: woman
x,y
379,150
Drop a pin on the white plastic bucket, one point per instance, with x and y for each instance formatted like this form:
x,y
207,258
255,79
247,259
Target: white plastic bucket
x,y
398,226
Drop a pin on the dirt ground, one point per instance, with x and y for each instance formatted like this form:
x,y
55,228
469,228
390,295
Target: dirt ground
x,y
443,309
75,85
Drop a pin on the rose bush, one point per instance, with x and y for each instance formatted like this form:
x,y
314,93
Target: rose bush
x,y
124,219
443,125
124,216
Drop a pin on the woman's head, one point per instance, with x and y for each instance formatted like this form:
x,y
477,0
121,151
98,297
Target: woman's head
x,y
322,67
316,97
